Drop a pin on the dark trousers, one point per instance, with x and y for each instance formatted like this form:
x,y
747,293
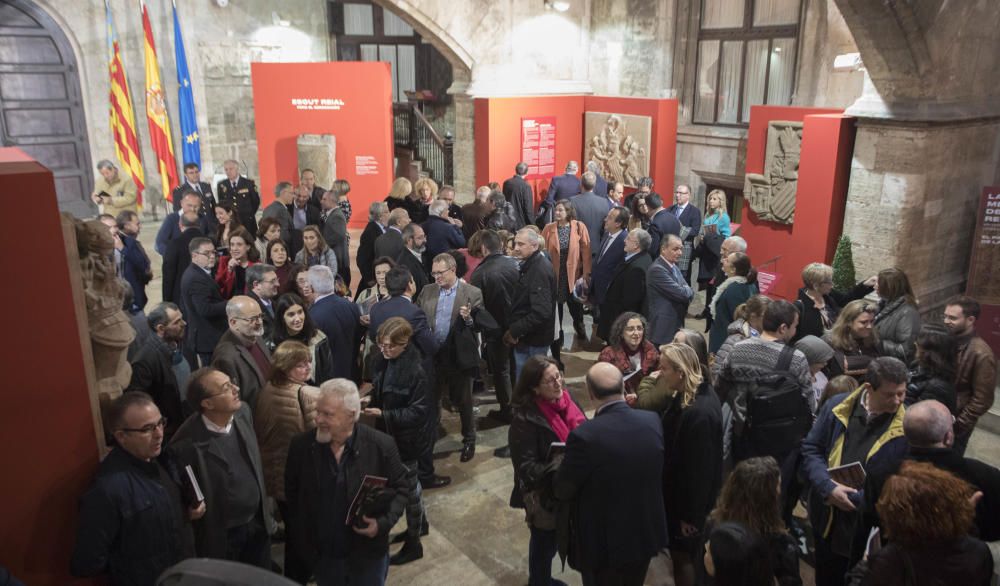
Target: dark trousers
x,y
633,574
415,512
249,544
498,358
542,546
576,312
458,388
352,572
831,568
961,443
295,568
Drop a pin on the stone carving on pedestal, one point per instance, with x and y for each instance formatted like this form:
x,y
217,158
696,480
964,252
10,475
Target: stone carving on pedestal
x,y
319,153
772,195
619,144
109,327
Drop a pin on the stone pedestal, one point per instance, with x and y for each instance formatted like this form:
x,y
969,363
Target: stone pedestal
x,y
319,153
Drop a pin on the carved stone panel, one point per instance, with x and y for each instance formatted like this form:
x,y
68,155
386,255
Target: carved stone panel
x,y
319,153
619,144
771,195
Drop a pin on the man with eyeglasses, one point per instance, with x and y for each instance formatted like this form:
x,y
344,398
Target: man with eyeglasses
x,y
262,287
202,303
242,353
134,520
219,444
690,218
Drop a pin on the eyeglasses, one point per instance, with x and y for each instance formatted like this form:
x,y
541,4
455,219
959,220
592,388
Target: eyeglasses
x,y
634,328
389,345
554,380
205,253
437,274
273,281
256,319
228,388
147,429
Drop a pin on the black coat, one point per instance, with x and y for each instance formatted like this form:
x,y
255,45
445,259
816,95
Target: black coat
x,y
966,561
520,197
244,198
442,236
689,218
389,245
606,265
533,308
660,225
372,453
810,322
136,269
153,374
339,319
400,306
529,437
204,309
923,386
692,458
497,277
418,270
132,526
335,235
402,394
366,254
563,187
175,260
619,449
627,292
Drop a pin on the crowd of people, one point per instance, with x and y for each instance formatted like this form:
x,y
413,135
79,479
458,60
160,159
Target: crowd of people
x,y
265,388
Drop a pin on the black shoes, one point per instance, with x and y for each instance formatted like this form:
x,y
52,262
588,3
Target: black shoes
x,y
412,550
435,482
503,452
468,451
581,332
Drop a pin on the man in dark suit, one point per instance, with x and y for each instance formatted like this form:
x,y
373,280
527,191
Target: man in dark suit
x,y
308,188
667,294
303,213
442,234
241,352
202,303
661,223
474,214
620,446
414,255
284,195
378,218
241,193
564,186
447,195
153,367
591,209
136,268
336,317
334,224
177,257
627,289
192,182
519,195
690,218
220,445
170,229
608,254
262,287
600,183
390,244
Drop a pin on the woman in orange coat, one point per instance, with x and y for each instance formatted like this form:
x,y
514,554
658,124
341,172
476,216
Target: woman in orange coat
x,y
567,243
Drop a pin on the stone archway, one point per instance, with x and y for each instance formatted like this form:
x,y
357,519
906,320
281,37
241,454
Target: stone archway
x,y
41,103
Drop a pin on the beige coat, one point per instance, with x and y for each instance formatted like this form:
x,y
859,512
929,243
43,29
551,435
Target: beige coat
x,y
122,192
578,259
280,416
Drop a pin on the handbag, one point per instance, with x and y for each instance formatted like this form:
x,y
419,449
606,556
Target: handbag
x,y
535,512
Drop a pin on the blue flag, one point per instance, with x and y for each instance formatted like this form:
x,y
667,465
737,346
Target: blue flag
x,y
185,97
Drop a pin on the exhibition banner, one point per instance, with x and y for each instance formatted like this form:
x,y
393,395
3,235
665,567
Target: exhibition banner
x,y
985,265
538,146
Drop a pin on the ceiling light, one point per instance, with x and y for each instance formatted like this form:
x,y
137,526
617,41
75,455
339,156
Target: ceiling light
x,y
557,5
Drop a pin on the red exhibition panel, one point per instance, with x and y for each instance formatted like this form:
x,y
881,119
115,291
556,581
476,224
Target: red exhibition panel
x,y
824,172
350,99
47,442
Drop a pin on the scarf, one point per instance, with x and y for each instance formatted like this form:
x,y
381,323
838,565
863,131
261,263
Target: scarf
x,y
718,293
563,415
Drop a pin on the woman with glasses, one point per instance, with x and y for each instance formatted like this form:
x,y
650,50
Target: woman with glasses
x,y
315,251
402,408
568,243
629,350
544,413
277,256
286,407
299,277
853,339
292,322
231,270
366,299
819,303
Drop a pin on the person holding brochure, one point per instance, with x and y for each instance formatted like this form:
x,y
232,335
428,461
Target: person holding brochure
x,y
326,469
865,426
544,414
629,349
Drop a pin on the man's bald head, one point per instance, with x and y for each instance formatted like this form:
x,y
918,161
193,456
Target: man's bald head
x,y
604,381
928,424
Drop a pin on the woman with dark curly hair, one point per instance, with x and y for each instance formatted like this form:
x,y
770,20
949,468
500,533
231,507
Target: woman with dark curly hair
x,y
926,514
629,349
751,497
934,377
228,220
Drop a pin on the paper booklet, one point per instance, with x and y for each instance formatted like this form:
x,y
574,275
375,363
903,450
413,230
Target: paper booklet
x,y
852,475
192,487
366,499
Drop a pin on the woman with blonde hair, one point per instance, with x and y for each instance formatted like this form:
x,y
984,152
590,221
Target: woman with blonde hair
x,y
715,229
398,193
853,339
420,199
692,454
819,303
567,242
315,251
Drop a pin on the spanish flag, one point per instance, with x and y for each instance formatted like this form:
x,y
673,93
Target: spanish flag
x,y
122,115
156,113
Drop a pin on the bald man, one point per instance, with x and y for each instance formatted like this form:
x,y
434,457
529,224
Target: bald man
x,y
619,447
241,352
928,427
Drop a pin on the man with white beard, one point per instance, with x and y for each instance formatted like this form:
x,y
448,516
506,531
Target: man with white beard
x,y
326,468
242,352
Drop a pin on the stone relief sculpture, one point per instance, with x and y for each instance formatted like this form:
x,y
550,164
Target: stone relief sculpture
x,y
110,329
772,195
619,144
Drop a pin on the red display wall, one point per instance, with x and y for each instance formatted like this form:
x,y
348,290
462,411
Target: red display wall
x,y
350,100
824,171
48,447
498,128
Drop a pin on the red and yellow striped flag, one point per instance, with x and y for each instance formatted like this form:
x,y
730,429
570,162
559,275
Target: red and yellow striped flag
x,y
156,113
122,115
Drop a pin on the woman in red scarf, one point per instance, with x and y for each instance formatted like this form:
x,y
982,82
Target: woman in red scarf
x,y
544,413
